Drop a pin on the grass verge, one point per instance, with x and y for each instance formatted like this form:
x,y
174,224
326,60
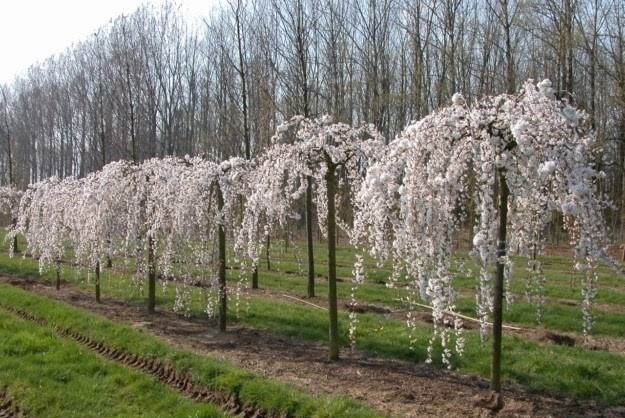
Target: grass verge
x,y
273,396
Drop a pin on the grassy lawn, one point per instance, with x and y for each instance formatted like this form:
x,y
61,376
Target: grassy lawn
x,y
35,361
563,290
52,377
571,371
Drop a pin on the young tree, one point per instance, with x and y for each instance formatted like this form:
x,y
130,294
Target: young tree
x,y
99,217
529,155
191,205
43,219
334,156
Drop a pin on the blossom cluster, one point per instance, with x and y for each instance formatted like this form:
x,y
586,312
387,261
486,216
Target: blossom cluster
x,y
170,204
304,150
415,200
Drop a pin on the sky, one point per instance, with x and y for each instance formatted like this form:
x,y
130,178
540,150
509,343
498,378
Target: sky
x,y
32,30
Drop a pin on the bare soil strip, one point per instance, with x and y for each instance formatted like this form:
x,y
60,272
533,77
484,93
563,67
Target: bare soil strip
x,y
8,408
398,388
180,381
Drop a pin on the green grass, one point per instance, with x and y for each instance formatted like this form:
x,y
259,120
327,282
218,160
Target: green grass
x,y
545,368
29,345
562,286
52,377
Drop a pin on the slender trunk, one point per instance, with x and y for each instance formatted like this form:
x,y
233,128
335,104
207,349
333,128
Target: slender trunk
x,y
58,276
109,260
267,247
151,276
332,304
309,240
503,193
133,140
255,278
243,77
14,223
97,282
221,236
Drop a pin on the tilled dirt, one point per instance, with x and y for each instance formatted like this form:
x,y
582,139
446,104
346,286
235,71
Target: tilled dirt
x,y
398,388
8,408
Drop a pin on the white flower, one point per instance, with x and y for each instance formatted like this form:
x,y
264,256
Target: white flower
x,y
458,99
569,208
545,88
547,168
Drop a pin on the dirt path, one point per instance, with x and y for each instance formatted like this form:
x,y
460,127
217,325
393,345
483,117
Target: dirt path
x,y
8,409
400,389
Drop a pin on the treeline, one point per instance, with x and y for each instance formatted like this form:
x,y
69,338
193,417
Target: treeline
x,y
152,84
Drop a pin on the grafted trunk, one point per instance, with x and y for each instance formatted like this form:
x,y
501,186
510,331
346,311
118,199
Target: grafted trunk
x,y
503,193
221,237
58,276
332,303
97,282
267,249
255,278
309,240
151,276
15,247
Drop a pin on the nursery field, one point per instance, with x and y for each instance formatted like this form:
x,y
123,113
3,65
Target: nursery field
x,y
272,361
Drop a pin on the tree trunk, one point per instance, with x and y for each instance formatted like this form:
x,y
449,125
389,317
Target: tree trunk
x,y
309,240
15,247
109,260
267,248
503,193
58,277
151,276
332,304
97,282
221,236
255,278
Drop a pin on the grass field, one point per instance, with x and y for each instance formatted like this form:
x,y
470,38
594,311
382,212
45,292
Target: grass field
x,y
51,375
541,367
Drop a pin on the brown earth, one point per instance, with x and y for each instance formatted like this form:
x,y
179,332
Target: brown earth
x,y
397,388
8,408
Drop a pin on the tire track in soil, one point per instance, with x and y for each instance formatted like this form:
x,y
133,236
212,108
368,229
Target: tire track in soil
x,y
182,382
8,408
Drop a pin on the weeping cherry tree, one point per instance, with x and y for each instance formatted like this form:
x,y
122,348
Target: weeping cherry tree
x,y
518,159
335,157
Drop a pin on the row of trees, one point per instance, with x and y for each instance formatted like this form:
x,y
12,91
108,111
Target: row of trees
x,y
520,158
170,215
151,84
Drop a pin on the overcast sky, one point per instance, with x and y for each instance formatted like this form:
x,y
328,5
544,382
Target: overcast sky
x,y
32,30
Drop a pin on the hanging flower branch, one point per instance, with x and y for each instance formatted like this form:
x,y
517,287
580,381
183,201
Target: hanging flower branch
x,y
413,202
334,157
